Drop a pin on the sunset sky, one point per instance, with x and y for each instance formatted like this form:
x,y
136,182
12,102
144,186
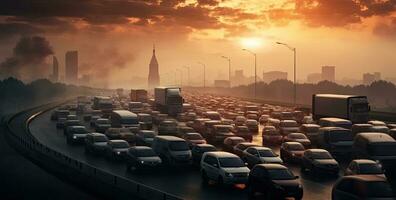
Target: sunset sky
x,y
115,37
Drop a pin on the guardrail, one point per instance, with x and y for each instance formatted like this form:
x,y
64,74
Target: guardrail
x,y
88,176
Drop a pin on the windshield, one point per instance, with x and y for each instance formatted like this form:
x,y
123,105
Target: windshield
x,y
231,162
280,174
175,100
370,169
266,153
100,139
361,107
207,149
145,153
178,146
297,136
102,121
129,121
80,130
119,145
337,136
106,105
289,124
222,129
296,147
321,155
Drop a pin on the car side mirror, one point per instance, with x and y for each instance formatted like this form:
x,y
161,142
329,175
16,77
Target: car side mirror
x,y
296,177
246,164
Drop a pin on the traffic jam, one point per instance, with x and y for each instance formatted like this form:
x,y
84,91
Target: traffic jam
x,y
234,142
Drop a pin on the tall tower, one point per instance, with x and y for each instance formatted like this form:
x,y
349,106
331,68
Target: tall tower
x,y
153,77
328,73
71,66
55,69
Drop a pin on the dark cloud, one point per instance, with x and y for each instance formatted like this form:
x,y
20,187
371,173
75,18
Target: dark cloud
x,y
386,29
8,30
208,2
28,59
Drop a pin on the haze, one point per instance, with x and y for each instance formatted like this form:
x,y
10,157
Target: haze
x,y
115,38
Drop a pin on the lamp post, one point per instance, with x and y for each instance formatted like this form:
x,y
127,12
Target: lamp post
x,y
229,68
204,74
295,70
188,75
255,70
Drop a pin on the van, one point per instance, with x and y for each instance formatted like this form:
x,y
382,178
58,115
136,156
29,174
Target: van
x,y
172,150
123,119
335,122
336,140
374,146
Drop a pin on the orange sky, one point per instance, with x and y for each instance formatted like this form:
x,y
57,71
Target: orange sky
x,y
115,37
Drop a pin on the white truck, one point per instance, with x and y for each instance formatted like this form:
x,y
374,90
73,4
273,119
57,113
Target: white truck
x,y
352,107
168,100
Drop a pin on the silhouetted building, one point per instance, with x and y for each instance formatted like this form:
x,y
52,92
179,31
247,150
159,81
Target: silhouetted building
x,y
377,76
71,66
328,73
222,83
153,77
55,70
314,78
268,77
369,78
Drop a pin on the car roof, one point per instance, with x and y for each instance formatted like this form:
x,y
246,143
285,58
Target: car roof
x,y
117,141
169,138
333,128
204,145
316,150
293,143
376,137
364,161
260,148
271,166
222,154
96,134
140,147
366,178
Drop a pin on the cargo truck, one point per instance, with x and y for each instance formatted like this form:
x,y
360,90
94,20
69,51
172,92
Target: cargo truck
x,y
168,100
139,95
105,104
352,107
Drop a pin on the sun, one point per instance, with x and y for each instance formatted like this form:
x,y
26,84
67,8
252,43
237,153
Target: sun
x,y
251,42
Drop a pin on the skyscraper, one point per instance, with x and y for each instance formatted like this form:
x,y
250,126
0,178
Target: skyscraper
x,y
328,73
71,66
55,70
153,77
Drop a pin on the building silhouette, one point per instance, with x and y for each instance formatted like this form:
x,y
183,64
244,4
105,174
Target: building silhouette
x,y
55,70
328,73
270,76
314,78
369,78
153,77
71,66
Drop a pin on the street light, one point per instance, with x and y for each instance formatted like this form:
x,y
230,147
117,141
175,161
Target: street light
x,y
255,70
229,68
295,66
181,77
188,74
204,74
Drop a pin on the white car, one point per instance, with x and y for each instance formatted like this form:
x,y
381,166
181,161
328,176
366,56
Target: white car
x,y
224,168
260,155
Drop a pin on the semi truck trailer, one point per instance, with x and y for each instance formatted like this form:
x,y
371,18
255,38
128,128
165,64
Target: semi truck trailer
x,y
352,107
168,100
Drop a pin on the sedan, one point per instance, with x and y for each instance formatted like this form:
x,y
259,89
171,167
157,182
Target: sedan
x,y
142,157
298,137
241,147
292,151
362,166
271,135
319,161
116,149
260,155
198,150
194,139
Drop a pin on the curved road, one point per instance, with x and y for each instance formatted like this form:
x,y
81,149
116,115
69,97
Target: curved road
x,y
185,182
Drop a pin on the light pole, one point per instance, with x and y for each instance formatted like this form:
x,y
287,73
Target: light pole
x,y
255,70
188,74
295,70
204,74
181,77
229,68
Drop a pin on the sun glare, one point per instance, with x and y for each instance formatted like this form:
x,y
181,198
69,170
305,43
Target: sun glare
x,y
251,42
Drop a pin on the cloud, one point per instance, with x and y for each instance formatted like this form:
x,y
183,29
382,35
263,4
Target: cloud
x,y
386,29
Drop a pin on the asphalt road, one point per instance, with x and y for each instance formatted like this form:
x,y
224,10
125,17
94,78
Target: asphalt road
x,y
183,182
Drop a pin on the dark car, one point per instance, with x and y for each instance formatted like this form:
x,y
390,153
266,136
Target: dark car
x,y
69,123
288,126
292,151
336,140
359,187
274,181
298,137
76,134
116,149
220,133
96,143
145,138
230,142
239,148
363,166
168,127
319,161
142,157
271,135
194,139
244,132
101,125
198,150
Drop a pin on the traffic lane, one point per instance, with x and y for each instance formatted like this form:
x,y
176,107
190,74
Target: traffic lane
x,y
184,182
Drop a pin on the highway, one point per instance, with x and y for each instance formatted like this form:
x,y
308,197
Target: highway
x,y
183,182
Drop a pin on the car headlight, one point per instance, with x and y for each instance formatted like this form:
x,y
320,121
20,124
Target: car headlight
x,y
142,162
74,137
118,153
293,154
228,174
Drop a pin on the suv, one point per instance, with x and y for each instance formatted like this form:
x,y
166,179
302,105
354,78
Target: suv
x,y
141,157
223,167
168,127
95,143
76,134
259,155
319,160
172,150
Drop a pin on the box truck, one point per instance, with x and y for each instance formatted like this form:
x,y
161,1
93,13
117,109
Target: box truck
x,y
352,107
105,104
168,100
139,95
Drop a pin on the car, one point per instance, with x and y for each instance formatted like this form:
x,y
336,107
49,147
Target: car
x,y
273,122
360,128
157,119
191,116
363,166
198,150
60,123
264,119
55,115
95,143
116,149
145,137
307,120
240,147
298,137
252,125
244,132
292,151
101,125
274,181
93,120
71,117
230,142
212,115
69,123
288,126
142,157
374,146
376,123
145,121
358,187
311,131
172,150
260,155
224,168
271,135
76,134
194,139
240,120
252,116
220,133
185,129
335,122
338,141
380,129
168,127
319,161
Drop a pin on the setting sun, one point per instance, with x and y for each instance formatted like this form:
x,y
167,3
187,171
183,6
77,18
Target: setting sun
x,y
251,42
